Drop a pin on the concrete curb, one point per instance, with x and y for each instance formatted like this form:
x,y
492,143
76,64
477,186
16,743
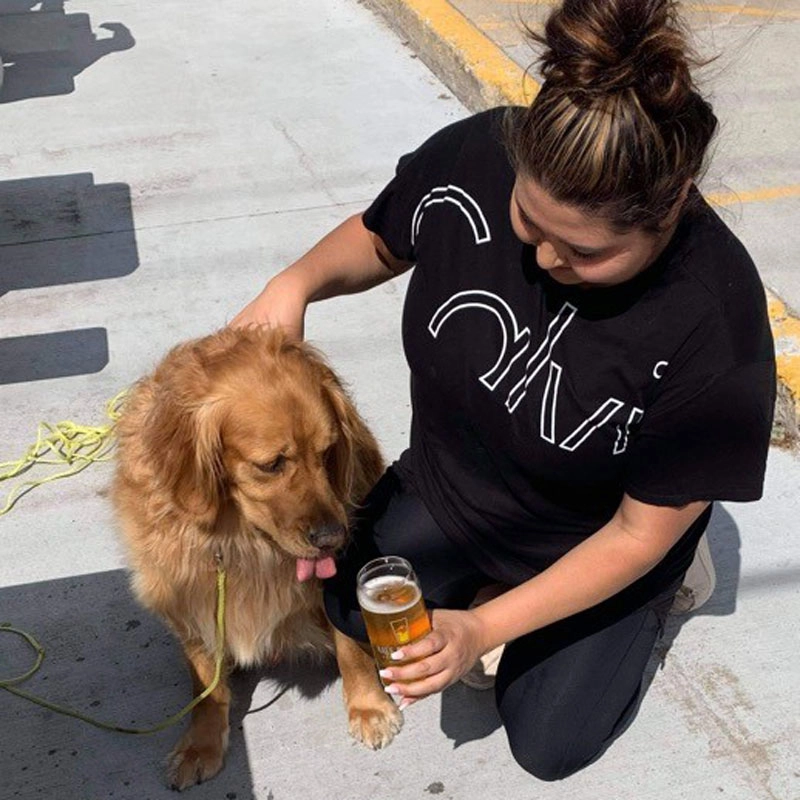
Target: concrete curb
x,y
473,67
786,330
481,75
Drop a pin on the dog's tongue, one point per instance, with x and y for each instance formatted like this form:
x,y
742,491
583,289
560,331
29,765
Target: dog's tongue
x,y
321,567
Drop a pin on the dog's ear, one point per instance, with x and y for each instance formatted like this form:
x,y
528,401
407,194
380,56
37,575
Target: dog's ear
x,y
182,435
355,461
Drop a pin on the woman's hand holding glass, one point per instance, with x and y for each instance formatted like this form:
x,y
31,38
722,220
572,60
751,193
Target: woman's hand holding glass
x,y
456,642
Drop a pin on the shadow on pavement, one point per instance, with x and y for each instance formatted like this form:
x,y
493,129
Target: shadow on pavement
x,y
56,230
43,48
64,229
53,355
468,715
110,659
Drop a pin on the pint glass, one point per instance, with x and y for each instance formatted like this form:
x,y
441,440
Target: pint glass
x,y
391,603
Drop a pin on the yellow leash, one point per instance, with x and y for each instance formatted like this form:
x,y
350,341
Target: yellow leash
x,y
80,446
9,684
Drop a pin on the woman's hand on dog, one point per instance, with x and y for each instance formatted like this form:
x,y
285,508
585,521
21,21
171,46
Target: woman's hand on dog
x,y
439,660
278,305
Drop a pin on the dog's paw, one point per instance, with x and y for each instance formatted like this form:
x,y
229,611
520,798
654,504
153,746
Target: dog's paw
x,y
190,762
375,726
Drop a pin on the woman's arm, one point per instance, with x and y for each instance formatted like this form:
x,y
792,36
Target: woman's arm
x,y
349,259
628,546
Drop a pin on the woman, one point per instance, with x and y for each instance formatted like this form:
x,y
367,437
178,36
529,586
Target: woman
x,y
591,367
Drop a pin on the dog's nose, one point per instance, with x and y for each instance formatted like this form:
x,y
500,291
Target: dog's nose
x,y
327,535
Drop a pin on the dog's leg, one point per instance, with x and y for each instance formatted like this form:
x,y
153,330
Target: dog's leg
x,y
373,717
199,754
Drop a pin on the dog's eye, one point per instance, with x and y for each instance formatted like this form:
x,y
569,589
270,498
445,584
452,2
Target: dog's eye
x,y
274,466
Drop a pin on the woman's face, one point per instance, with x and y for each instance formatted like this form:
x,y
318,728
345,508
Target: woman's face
x,y
577,249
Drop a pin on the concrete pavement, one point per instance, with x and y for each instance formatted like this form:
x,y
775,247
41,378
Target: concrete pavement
x,y
155,172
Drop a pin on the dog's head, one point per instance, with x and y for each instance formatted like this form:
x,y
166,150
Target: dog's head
x,y
247,422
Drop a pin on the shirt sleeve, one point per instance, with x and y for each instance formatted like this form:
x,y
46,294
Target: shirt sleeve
x,y
707,440
392,215
389,216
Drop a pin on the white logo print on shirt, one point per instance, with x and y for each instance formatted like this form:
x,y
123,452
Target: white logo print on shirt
x,y
516,341
465,204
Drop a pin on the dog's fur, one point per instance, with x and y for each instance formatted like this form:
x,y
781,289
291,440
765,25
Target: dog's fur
x,y
243,446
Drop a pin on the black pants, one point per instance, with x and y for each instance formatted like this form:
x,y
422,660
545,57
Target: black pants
x,y
564,692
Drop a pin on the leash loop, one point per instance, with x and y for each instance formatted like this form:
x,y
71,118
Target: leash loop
x,y
10,684
7,627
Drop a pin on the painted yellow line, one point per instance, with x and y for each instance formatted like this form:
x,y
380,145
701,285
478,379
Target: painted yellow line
x,y
707,8
487,62
785,323
754,196
744,11
786,331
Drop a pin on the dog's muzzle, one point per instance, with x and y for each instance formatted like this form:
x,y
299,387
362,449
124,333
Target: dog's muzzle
x,y
328,536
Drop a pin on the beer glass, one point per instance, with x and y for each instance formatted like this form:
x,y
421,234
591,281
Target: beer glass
x,y
391,603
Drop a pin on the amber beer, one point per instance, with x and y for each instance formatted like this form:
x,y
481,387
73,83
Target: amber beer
x,y
391,602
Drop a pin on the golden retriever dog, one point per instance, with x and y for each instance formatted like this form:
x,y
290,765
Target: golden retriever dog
x,y
243,448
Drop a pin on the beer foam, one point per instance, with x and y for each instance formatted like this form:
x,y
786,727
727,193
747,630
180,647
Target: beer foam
x,y
369,592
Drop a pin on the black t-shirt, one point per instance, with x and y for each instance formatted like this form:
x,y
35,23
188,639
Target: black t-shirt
x,y
537,405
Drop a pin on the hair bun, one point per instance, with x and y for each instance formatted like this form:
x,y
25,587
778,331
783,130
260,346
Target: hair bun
x,y
593,49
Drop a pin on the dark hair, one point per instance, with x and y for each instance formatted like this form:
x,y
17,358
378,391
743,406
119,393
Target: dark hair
x,y
618,126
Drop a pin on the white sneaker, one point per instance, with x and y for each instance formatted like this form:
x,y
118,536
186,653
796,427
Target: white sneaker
x,y
698,583
483,672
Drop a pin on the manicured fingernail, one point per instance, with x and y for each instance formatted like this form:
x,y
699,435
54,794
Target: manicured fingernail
x,y
404,704
392,688
397,655
385,673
